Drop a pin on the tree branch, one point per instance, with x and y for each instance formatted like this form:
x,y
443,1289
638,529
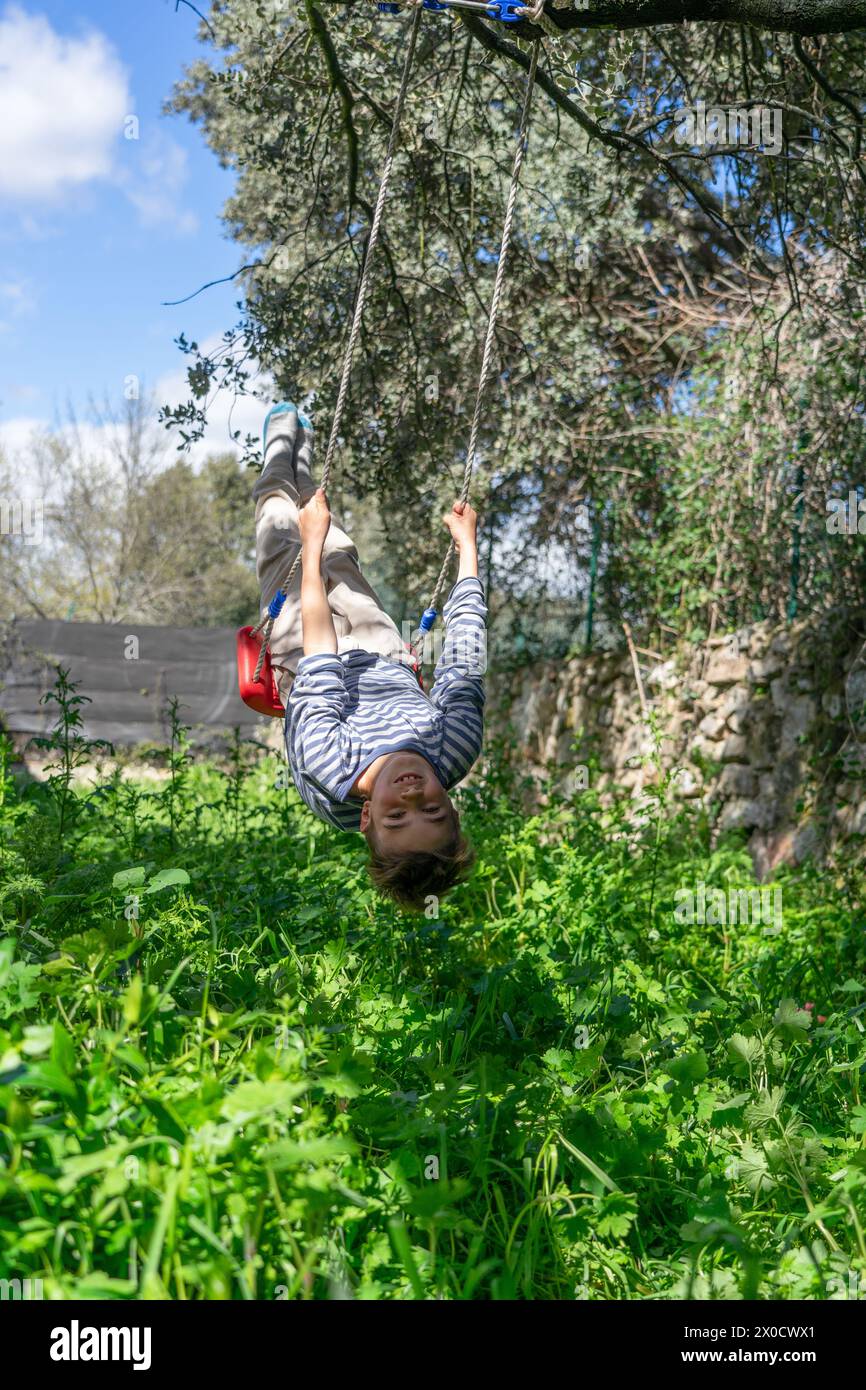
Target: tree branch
x,y
804,17
319,29
622,141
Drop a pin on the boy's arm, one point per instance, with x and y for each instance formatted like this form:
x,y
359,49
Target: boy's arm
x,y
463,660
314,519
317,703
315,731
458,686
466,540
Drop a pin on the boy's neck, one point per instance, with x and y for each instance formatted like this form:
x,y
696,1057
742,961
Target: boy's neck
x,y
366,781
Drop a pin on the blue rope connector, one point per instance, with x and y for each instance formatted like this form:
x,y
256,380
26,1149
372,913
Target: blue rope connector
x,y
428,618
276,604
387,8
508,11
433,5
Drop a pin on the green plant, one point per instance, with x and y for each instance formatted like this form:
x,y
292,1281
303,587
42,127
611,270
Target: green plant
x,y
178,760
72,749
242,1076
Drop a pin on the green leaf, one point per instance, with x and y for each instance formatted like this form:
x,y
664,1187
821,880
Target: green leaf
x,y
167,878
791,1023
129,878
765,1109
403,1250
618,1214
151,1284
291,1153
103,1286
753,1168
436,1199
591,1166
733,1103
81,1166
166,1117
690,1067
47,1076
743,1049
255,1099
132,1001
63,1050
17,987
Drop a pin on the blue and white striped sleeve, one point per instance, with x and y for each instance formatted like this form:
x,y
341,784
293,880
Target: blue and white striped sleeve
x,y
314,727
458,686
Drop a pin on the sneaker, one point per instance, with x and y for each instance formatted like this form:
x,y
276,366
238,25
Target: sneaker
x,y
304,480
284,408
286,442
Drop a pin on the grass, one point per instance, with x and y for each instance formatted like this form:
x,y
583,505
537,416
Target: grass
x,y
228,1071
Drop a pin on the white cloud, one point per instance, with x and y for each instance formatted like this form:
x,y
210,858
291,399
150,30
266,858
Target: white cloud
x,y
16,295
20,436
17,433
67,117
16,300
16,447
62,104
226,413
154,179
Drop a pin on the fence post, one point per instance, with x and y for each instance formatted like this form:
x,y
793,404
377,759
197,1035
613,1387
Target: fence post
x,y
593,572
796,533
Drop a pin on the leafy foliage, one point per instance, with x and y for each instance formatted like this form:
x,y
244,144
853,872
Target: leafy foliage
x,y
679,350
131,532
228,1071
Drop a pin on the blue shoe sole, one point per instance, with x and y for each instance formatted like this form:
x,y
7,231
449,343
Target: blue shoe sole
x,y
282,409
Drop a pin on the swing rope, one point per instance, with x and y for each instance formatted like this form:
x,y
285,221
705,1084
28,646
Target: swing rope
x,y
276,604
430,613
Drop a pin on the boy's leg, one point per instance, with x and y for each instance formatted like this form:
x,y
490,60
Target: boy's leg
x,y
278,539
285,483
360,620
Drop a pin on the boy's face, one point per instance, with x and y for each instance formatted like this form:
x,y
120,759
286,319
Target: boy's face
x,y
409,809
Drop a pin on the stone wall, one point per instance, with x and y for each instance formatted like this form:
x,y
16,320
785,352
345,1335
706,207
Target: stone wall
x,y
767,727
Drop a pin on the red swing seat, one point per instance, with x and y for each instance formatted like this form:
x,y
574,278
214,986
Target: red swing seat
x,y
261,695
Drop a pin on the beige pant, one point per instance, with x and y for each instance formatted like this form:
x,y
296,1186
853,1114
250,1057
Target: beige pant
x,y
359,618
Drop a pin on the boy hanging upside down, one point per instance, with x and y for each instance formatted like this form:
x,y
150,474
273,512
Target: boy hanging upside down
x,y
368,749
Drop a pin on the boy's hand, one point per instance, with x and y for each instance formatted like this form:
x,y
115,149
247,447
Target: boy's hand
x,y
314,520
462,522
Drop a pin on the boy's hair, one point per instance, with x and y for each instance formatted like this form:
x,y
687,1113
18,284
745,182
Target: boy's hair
x,y
409,879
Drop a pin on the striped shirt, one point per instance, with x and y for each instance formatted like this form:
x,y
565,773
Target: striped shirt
x,y
345,711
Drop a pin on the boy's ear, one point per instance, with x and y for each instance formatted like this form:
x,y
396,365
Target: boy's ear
x,y
365,817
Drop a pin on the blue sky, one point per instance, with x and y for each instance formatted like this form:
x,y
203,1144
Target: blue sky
x,y
97,229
